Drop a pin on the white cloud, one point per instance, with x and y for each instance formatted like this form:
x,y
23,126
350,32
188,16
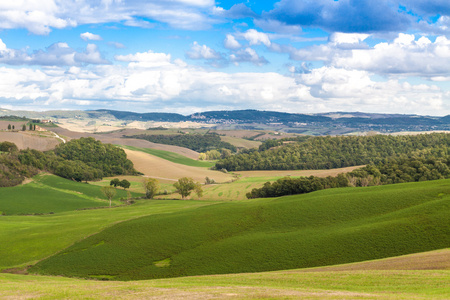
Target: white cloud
x,y
202,52
248,55
256,38
90,36
58,54
151,81
231,43
39,17
405,55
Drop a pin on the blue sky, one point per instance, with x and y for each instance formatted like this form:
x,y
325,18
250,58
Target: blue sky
x,y
187,56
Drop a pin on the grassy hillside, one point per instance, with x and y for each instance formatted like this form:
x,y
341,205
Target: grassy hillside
x,y
322,228
50,193
173,157
32,238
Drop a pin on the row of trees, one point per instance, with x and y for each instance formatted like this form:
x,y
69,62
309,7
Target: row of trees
x,y
336,152
196,142
390,171
24,127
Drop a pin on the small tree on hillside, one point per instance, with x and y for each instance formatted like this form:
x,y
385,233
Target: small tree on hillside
x,y
125,184
31,126
24,127
151,187
9,126
115,182
109,192
186,185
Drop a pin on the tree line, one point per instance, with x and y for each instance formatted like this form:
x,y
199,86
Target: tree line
x,y
196,142
336,152
388,171
84,159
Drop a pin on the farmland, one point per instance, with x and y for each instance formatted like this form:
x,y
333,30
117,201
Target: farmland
x,y
56,226
348,225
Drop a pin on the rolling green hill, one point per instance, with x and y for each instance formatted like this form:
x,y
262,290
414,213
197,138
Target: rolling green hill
x,y
322,228
53,194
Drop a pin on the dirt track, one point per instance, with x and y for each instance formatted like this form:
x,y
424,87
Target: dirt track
x,y
162,169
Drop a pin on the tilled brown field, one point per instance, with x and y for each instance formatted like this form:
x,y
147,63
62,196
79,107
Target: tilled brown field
x,y
116,139
32,140
159,168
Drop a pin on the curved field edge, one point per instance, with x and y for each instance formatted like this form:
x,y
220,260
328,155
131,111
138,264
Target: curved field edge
x,y
322,228
33,238
47,193
390,284
172,156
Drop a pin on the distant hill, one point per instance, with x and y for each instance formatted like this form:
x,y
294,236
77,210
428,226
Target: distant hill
x,y
331,123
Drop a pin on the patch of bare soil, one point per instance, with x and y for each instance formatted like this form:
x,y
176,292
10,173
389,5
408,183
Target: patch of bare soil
x,y
32,140
433,260
159,168
297,173
116,139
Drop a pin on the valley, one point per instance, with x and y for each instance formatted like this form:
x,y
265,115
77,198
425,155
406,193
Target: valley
x,y
333,243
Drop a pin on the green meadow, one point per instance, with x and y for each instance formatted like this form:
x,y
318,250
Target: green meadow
x,y
33,238
52,194
327,227
173,157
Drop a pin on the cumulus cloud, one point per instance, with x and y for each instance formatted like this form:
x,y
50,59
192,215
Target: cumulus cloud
x,y
343,15
39,17
148,79
248,55
202,52
405,55
255,37
58,54
231,42
90,36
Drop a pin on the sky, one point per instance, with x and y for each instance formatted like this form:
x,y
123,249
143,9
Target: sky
x,y
188,56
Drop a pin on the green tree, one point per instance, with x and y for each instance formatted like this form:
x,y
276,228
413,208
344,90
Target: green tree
x,y
24,127
9,126
115,182
125,184
109,192
151,187
31,126
184,186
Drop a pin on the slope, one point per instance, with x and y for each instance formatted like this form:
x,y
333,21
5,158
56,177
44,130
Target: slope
x,y
323,228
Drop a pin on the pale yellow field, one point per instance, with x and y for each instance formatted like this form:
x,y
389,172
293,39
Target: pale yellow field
x,y
240,143
167,171
297,173
41,141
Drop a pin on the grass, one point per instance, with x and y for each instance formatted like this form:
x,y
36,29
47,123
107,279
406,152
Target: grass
x,y
269,285
53,194
32,238
173,157
323,228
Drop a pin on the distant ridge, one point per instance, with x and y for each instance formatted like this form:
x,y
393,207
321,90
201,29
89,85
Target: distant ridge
x,y
320,124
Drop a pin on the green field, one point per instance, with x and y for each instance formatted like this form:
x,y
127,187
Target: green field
x,y
32,238
173,157
53,194
424,285
322,228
